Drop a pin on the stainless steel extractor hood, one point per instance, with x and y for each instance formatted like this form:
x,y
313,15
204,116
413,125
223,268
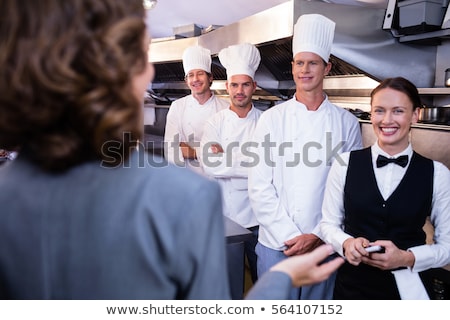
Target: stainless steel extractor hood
x,y
362,52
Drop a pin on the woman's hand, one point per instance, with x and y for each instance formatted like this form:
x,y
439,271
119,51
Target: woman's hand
x,y
309,268
392,258
354,250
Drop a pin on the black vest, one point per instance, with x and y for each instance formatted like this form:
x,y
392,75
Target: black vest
x,y
400,218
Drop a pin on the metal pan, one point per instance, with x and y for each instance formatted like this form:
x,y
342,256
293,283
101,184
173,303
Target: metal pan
x,y
439,115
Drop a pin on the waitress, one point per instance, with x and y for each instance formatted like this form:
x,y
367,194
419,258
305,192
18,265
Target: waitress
x,y
383,197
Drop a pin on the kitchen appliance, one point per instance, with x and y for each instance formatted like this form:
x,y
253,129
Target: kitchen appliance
x,y
435,115
417,16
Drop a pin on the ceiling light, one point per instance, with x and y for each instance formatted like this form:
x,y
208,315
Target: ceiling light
x,y
150,4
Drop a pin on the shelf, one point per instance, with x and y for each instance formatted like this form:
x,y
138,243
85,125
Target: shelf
x,y
419,125
348,92
427,36
434,91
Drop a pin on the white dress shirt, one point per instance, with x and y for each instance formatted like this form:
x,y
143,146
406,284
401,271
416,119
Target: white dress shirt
x,y
286,185
388,178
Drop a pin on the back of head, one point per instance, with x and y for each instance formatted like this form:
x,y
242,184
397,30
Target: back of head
x,y
66,78
313,33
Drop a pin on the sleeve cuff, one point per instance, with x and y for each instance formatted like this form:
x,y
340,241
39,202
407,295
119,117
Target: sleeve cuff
x,y
273,285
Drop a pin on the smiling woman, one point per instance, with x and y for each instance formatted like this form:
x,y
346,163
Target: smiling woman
x,y
384,196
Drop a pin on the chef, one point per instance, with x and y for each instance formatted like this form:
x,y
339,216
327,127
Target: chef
x,y
187,116
226,136
297,140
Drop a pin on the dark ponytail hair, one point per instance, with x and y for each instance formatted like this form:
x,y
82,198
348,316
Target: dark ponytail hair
x,y
402,85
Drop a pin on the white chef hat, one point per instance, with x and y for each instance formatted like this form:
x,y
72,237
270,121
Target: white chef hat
x,y
240,59
313,33
196,57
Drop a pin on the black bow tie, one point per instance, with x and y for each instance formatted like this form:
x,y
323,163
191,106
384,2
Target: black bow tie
x,y
401,161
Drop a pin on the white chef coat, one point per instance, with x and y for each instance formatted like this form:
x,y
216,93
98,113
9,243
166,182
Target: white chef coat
x,y
184,123
388,178
286,186
230,168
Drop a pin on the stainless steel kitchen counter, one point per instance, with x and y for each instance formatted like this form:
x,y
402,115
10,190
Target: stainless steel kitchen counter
x,y
235,236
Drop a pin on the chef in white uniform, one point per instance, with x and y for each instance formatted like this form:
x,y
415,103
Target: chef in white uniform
x,y
226,138
297,141
186,117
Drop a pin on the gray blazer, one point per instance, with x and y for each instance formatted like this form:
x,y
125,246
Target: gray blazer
x,y
145,230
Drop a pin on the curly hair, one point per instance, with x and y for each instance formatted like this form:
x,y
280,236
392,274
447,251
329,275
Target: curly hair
x,y
66,79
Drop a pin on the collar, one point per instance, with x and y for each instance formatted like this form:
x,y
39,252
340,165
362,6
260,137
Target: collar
x,y
376,150
324,106
251,113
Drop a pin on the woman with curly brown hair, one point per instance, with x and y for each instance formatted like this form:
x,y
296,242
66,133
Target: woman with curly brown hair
x,y
67,80
85,214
